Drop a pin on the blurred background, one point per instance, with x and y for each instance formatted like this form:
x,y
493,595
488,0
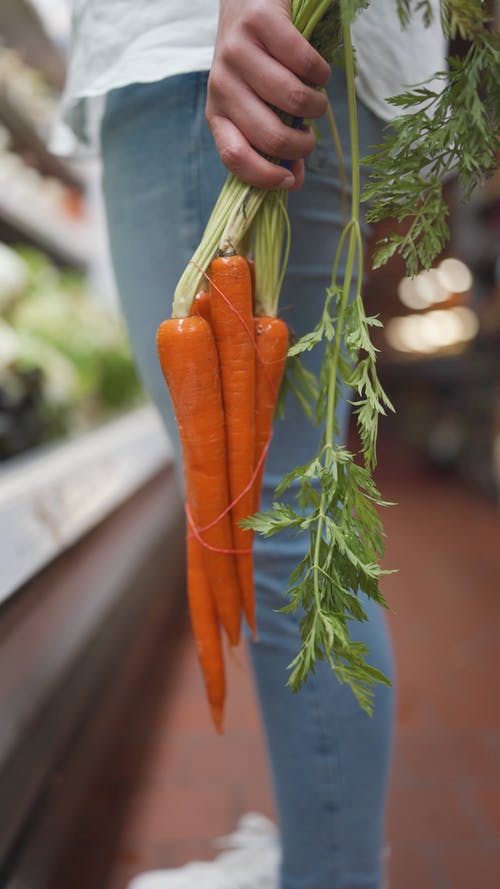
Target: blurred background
x,y
108,763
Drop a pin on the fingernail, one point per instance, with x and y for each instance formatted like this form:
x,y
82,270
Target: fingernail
x,y
288,181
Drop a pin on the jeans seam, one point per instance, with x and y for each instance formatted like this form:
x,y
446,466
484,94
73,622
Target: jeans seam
x,y
330,765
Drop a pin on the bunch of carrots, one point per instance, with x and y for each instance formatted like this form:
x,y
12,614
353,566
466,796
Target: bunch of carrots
x,y
223,366
223,354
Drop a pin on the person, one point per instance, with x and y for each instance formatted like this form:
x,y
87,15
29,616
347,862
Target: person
x,y
186,89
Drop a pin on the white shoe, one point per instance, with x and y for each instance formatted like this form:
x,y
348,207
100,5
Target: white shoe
x,y
250,860
386,857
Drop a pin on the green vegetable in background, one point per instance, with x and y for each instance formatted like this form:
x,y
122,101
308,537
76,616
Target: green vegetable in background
x,y
65,363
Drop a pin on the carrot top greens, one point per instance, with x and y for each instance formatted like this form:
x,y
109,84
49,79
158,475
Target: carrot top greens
x,y
455,130
335,499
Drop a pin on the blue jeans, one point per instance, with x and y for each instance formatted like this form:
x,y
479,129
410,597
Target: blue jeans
x,y
161,175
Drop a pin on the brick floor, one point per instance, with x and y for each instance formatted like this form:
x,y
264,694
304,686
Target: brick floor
x,y
170,784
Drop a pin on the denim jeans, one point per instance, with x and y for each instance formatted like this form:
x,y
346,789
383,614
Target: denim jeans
x,y
161,175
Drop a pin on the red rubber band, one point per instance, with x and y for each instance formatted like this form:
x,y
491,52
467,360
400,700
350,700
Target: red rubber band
x,y
214,549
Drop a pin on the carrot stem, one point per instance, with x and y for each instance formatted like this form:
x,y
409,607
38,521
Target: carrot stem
x,y
340,156
240,220
231,196
353,246
272,231
235,210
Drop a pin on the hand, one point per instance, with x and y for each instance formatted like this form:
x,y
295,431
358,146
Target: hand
x,y
261,58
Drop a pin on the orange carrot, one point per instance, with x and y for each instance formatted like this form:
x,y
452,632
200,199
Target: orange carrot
x,y
206,630
232,323
189,362
201,305
272,339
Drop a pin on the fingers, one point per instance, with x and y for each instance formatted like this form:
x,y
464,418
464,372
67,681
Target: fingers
x,y
240,158
277,85
262,128
287,46
261,60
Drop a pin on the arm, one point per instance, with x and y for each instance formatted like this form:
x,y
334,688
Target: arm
x,y
261,58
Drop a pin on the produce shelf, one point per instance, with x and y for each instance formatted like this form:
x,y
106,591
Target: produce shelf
x,y
25,136
51,497
74,650
68,242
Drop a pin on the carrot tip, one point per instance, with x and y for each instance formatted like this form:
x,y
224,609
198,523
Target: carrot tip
x,y
234,638
250,619
217,716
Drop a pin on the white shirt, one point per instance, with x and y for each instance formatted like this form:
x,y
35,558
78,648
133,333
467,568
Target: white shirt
x,y
117,42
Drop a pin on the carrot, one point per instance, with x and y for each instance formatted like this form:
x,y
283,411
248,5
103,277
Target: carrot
x,y
232,323
201,305
272,340
206,630
189,362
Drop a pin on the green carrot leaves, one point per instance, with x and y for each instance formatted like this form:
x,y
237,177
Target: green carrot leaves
x,y
337,504
335,500
336,509
456,130
447,126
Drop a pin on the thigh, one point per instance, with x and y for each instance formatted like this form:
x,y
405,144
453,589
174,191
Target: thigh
x,y
329,759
